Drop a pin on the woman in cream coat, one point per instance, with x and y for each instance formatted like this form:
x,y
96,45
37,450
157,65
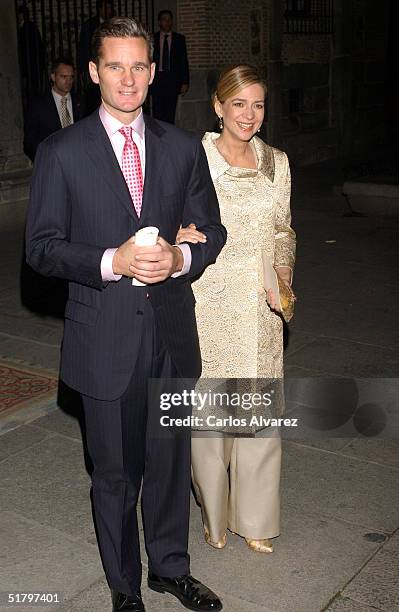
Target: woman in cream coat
x,y
237,480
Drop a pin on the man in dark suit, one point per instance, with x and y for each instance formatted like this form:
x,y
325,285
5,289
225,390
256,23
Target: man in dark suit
x,y
56,109
90,91
87,202
172,76
46,114
32,56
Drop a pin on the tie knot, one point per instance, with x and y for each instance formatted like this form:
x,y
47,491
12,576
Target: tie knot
x,y
127,132
63,100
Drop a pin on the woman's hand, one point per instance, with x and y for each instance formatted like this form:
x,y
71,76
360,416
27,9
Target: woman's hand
x,y
285,275
271,300
190,234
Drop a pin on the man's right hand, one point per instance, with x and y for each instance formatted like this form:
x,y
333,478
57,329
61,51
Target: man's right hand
x,y
124,257
151,264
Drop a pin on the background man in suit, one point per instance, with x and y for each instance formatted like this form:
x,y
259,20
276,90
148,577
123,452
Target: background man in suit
x,y
56,109
90,91
32,56
172,73
87,202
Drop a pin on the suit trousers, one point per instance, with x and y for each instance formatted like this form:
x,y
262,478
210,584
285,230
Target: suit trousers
x,y
125,458
237,483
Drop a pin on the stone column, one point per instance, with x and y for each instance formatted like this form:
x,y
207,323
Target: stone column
x,y
11,121
194,111
14,166
275,72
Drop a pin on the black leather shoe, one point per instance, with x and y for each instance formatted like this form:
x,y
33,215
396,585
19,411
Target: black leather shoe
x,y
121,602
191,592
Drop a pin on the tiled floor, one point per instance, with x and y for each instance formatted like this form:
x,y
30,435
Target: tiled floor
x,y
20,386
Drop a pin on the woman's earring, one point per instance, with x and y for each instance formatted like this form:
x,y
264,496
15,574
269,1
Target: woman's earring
x,y
259,130
221,123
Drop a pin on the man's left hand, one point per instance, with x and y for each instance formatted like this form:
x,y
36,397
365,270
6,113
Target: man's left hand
x,y
157,263
184,89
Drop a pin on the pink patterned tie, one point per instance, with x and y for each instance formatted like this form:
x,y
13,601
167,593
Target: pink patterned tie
x,y
131,168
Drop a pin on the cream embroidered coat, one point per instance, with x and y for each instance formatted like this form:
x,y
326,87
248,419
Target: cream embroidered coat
x,y
239,335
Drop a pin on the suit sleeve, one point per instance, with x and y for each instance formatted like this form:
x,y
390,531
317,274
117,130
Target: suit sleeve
x,y
202,208
49,249
284,235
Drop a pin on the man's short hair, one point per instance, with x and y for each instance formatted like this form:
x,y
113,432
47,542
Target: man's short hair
x,y
165,12
61,60
119,27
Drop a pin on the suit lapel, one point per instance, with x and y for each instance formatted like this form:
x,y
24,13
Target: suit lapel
x,y
55,118
101,153
155,156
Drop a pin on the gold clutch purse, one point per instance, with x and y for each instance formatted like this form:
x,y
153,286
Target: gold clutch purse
x,y
285,296
287,300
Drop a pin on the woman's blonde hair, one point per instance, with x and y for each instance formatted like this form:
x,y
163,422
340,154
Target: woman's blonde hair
x,y
234,79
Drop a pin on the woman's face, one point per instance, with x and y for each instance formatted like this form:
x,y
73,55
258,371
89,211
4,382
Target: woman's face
x,y
243,113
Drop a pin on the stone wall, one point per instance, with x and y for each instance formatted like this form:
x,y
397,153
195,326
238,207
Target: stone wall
x,y
326,94
218,34
14,166
296,67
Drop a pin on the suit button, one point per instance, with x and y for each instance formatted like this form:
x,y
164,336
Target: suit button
x,y
139,312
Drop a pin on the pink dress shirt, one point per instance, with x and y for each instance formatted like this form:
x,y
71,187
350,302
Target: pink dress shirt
x,y
112,126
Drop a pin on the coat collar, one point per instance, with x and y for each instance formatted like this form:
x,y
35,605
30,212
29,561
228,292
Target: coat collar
x,y
218,164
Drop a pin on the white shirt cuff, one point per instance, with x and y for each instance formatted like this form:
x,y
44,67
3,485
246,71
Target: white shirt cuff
x,y
107,272
186,252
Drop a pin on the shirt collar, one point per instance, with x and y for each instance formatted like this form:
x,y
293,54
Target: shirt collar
x,y
113,125
57,96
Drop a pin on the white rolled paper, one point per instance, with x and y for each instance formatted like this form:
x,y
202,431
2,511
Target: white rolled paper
x,y
146,236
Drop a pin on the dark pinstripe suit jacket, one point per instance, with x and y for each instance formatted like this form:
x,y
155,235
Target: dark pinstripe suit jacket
x,y
79,206
42,120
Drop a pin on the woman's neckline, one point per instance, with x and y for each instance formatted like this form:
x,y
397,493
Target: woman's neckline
x,y
215,137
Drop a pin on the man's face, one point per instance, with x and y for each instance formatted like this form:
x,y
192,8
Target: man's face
x,y
165,23
123,74
63,79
